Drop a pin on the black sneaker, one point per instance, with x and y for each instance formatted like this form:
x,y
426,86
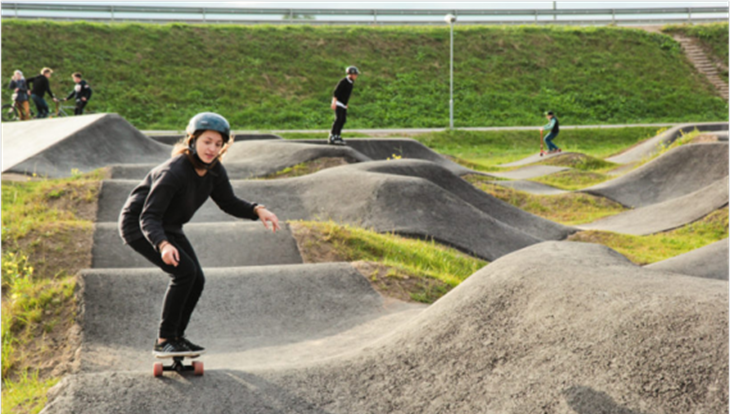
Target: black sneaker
x,y
339,141
331,140
170,348
191,346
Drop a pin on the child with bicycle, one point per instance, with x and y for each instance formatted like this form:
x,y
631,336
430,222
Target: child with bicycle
x,y
81,93
21,99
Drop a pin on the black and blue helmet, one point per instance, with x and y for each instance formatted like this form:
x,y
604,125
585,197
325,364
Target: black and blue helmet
x,y
209,121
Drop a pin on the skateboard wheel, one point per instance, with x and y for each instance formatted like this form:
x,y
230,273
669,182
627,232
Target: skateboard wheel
x,y
157,369
198,367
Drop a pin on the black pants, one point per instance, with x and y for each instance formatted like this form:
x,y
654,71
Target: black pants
x,y
184,289
340,119
79,110
41,106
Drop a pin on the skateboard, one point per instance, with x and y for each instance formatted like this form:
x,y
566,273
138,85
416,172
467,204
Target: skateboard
x,y
177,365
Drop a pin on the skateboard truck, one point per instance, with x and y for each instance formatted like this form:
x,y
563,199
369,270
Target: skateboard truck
x,y
179,366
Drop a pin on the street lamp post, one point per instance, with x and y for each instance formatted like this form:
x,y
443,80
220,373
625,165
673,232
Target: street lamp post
x,y
450,19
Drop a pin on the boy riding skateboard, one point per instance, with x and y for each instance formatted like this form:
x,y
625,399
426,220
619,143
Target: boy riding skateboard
x,y
339,104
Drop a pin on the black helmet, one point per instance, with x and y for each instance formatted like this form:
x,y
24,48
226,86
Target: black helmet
x,y
549,113
211,121
351,70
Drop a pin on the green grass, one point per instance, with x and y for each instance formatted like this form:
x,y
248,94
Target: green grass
x,y
488,149
573,180
46,238
569,209
27,395
657,247
282,77
419,259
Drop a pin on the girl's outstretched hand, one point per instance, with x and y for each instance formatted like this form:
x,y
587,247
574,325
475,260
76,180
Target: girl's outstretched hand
x,y
267,218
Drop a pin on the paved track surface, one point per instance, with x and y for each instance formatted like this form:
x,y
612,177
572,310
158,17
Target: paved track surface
x,y
250,159
251,316
406,205
710,262
55,147
232,244
679,172
389,148
666,215
504,212
569,327
653,145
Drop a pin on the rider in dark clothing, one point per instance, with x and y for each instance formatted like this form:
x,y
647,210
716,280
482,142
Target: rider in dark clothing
x,y
340,98
39,86
81,92
152,220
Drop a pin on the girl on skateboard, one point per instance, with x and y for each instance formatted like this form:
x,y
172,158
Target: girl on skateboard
x,y
553,126
152,218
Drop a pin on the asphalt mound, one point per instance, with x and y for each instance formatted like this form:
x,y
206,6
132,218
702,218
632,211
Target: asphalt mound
x,y
55,147
710,262
653,145
378,149
566,327
504,212
666,215
406,205
258,158
172,139
226,245
679,172
244,311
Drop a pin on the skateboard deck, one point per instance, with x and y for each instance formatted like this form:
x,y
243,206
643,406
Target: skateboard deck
x,y
178,365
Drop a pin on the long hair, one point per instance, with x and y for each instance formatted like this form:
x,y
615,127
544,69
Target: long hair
x,y
183,147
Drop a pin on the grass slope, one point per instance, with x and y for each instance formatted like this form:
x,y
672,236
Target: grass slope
x,y
279,77
712,37
46,239
420,270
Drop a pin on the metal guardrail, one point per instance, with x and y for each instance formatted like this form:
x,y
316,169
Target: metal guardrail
x,y
156,14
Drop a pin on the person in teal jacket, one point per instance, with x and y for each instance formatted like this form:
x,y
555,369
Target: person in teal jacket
x,y
553,126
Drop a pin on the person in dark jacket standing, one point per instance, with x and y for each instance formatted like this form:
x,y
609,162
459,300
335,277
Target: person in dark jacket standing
x,y
340,98
39,86
20,95
81,92
553,126
152,218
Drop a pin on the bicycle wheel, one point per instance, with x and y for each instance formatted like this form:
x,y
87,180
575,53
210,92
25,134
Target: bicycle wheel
x,y
10,113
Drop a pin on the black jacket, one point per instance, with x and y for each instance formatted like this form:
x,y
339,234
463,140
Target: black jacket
x,y
169,196
343,90
81,90
40,86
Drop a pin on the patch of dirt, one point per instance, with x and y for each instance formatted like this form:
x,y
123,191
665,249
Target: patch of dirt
x,y
312,247
566,160
395,283
77,197
309,167
387,280
702,138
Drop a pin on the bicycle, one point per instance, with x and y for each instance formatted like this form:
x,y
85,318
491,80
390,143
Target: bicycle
x,y
10,113
67,110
